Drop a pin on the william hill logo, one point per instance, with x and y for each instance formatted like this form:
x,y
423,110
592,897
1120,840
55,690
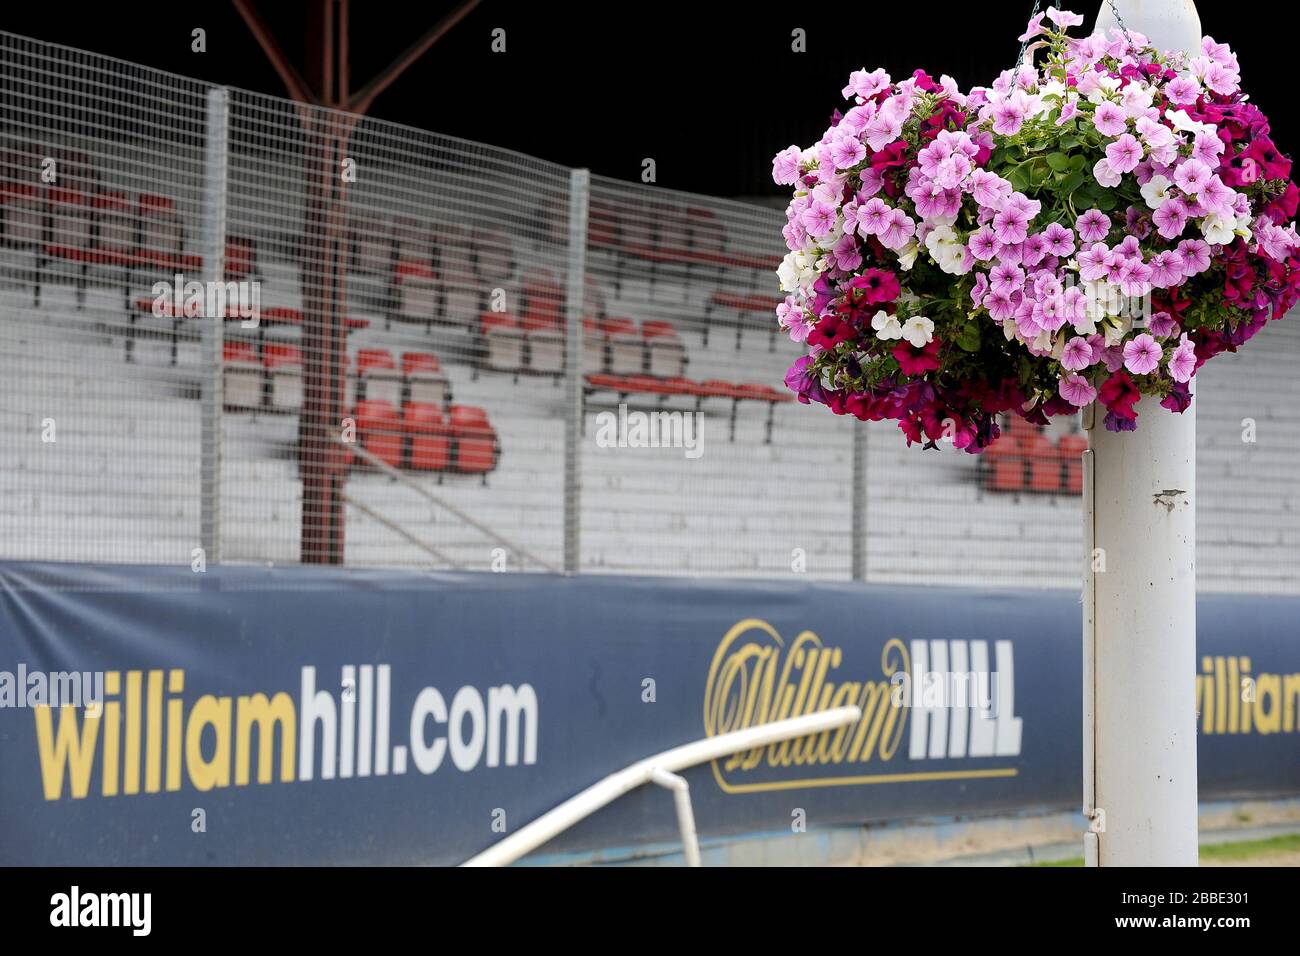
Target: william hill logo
x,y
966,713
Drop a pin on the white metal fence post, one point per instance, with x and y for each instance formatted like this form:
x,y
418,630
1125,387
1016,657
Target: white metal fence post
x,y
215,172
1142,499
575,292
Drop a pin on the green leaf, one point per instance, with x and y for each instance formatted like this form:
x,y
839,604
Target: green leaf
x,y
1105,201
968,340
1071,182
1069,142
1058,161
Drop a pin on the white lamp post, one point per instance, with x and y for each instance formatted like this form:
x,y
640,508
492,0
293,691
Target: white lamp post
x,y
1139,623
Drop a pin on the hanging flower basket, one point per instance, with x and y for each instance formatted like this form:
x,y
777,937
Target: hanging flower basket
x,y
1096,227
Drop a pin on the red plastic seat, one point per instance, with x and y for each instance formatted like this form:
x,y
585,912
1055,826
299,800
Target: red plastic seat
x,y
429,435
275,355
240,258
1006,464
235,352
543,300
606,382
415,362
657,328
1071,449
716,388
375,359
476,439
241,375
1044,463
379,429
284,369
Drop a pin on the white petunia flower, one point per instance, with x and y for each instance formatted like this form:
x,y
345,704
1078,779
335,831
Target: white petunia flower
x,y
1217,230
887,326
918,330
1156,191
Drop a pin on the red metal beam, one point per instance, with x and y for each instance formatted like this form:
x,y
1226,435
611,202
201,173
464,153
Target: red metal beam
x,y
291,78
360,103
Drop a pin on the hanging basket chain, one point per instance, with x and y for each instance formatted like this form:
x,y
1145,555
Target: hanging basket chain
x,y
1114,8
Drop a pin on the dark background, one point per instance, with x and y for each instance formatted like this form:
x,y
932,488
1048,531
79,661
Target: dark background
x,y
708,90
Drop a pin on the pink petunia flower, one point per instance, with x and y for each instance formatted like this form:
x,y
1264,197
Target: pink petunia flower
x,y
1011,224
1171,218
1093,226
1182,363
1110,119
1076,390
1124,154
785,166
1191,175
1142,354
1077,355
1058,240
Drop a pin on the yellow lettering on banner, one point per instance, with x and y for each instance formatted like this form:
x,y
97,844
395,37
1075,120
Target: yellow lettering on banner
x,y
755,678
214,712
112,734
71,749
267,714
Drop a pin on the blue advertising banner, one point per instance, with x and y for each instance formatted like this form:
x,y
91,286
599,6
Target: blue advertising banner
x,y
151,715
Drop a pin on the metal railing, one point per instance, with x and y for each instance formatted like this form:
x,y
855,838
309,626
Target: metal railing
x,y
662,769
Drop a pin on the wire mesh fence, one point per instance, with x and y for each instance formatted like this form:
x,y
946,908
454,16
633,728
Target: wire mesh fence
x,y
238,328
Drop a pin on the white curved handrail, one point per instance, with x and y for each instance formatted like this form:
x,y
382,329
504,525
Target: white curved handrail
x,y
661,769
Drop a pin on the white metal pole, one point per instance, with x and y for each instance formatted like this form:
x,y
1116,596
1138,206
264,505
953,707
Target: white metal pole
x,y
575,416
1140,597
685,812
215,175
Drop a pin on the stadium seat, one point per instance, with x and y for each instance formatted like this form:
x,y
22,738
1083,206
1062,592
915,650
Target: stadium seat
x,y
626,348
543,324
602,226
742,306
429,435
462,290
426,383
284,374
502,348
1005,465
1071,448
22,215
69,239
476,440
665,354
593,347
379,430
378,378
415,293
162,236
241,375
1044,462
412,241
240,258
494,258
